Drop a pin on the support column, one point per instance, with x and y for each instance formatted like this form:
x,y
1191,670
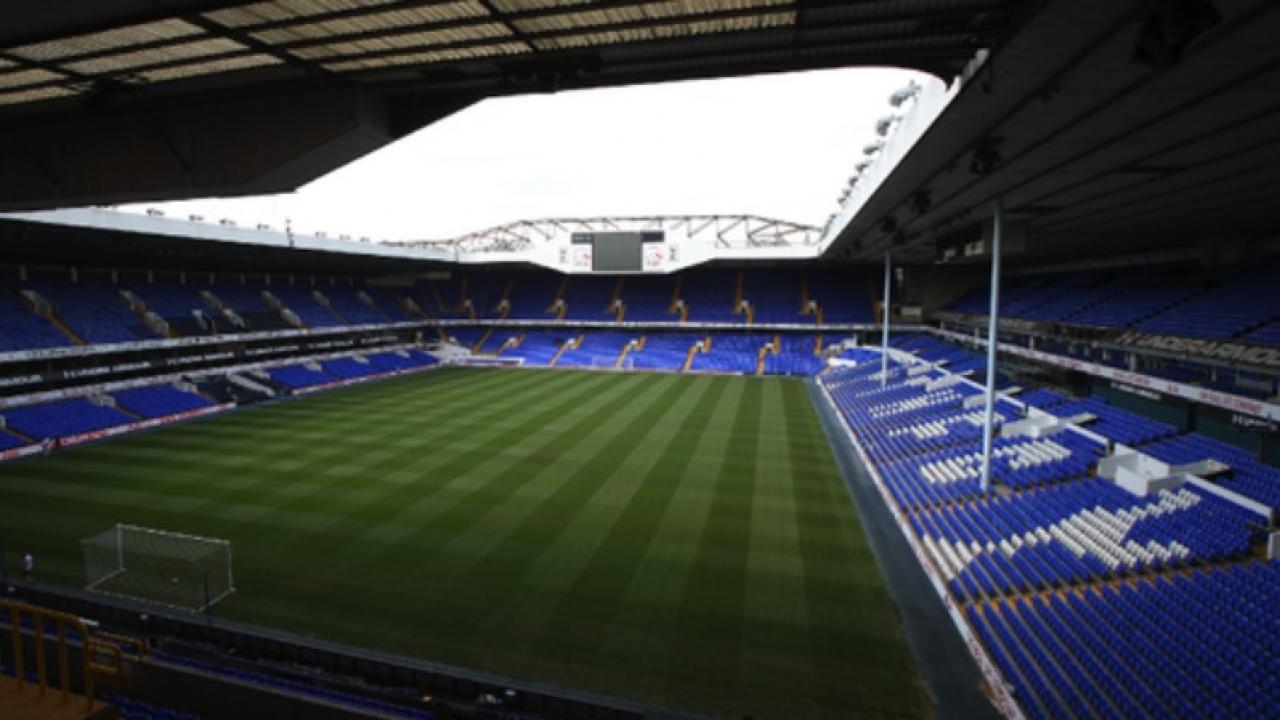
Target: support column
x,y
993,339
884,323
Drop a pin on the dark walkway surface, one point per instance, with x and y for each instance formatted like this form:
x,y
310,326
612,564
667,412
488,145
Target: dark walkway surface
x,y
941,656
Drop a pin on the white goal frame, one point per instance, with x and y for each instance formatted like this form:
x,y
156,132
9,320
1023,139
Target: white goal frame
x,y
108,557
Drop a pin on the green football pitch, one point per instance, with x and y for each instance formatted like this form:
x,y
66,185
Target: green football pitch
x,y
683,541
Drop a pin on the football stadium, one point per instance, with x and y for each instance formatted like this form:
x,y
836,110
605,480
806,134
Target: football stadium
x,y
997,437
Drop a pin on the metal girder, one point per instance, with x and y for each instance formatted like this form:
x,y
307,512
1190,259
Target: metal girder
x,y
755,231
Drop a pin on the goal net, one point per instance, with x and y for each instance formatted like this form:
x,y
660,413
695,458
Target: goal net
x,y
156,566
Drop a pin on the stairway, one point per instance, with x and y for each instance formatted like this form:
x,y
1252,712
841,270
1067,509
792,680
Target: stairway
x,y
323,301
675,298
513,343
567,345
152,321
282,310
615,301
626,350
504,303
20,435
737,294
43,308
463,299
407,304
559,306
435,296
365,298
688,358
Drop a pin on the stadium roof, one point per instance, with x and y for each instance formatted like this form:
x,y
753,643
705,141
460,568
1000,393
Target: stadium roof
x,y
1105,130
199,97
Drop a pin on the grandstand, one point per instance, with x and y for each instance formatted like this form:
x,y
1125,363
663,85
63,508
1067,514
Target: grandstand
x,y
999,439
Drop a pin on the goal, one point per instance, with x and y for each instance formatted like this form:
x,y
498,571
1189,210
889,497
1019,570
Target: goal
x,y
157,566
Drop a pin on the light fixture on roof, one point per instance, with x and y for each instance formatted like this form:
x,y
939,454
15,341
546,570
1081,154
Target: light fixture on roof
x,y
861,167
886,123
902,95
196,218
872,148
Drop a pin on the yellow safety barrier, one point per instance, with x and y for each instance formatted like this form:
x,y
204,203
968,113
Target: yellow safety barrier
x,y
94,647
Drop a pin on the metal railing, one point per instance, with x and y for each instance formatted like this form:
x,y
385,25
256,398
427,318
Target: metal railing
x,y
94,648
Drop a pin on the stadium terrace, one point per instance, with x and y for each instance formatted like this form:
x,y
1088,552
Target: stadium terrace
x,y
998,437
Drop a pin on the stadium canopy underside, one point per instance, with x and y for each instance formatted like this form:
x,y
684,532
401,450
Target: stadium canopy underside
x,y
198,98
1106,126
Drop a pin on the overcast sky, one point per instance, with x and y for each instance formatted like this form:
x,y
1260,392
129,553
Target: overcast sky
x,y
774,145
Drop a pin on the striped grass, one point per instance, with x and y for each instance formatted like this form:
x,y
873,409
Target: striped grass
x,y
684,541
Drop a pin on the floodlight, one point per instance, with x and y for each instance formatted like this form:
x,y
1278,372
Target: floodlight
x,y
886,123
901,96
873,147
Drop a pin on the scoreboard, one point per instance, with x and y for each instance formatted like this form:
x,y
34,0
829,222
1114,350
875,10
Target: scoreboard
x,y
616,251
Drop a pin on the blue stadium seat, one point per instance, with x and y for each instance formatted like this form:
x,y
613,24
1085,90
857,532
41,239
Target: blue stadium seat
x,y
159,401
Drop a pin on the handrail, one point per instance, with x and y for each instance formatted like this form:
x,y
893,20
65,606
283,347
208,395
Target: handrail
x,y
92,646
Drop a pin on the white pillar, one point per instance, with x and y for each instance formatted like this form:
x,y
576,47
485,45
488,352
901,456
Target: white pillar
x,y
993,321
884,324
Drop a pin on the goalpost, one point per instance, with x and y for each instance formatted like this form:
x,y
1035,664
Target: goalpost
x,y
156,566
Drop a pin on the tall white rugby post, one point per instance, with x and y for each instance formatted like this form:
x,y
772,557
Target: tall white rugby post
x,y
993,318
884,325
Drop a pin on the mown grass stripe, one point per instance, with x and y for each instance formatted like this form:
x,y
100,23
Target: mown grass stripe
x,y
854,633
709,617
574,495
587,614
